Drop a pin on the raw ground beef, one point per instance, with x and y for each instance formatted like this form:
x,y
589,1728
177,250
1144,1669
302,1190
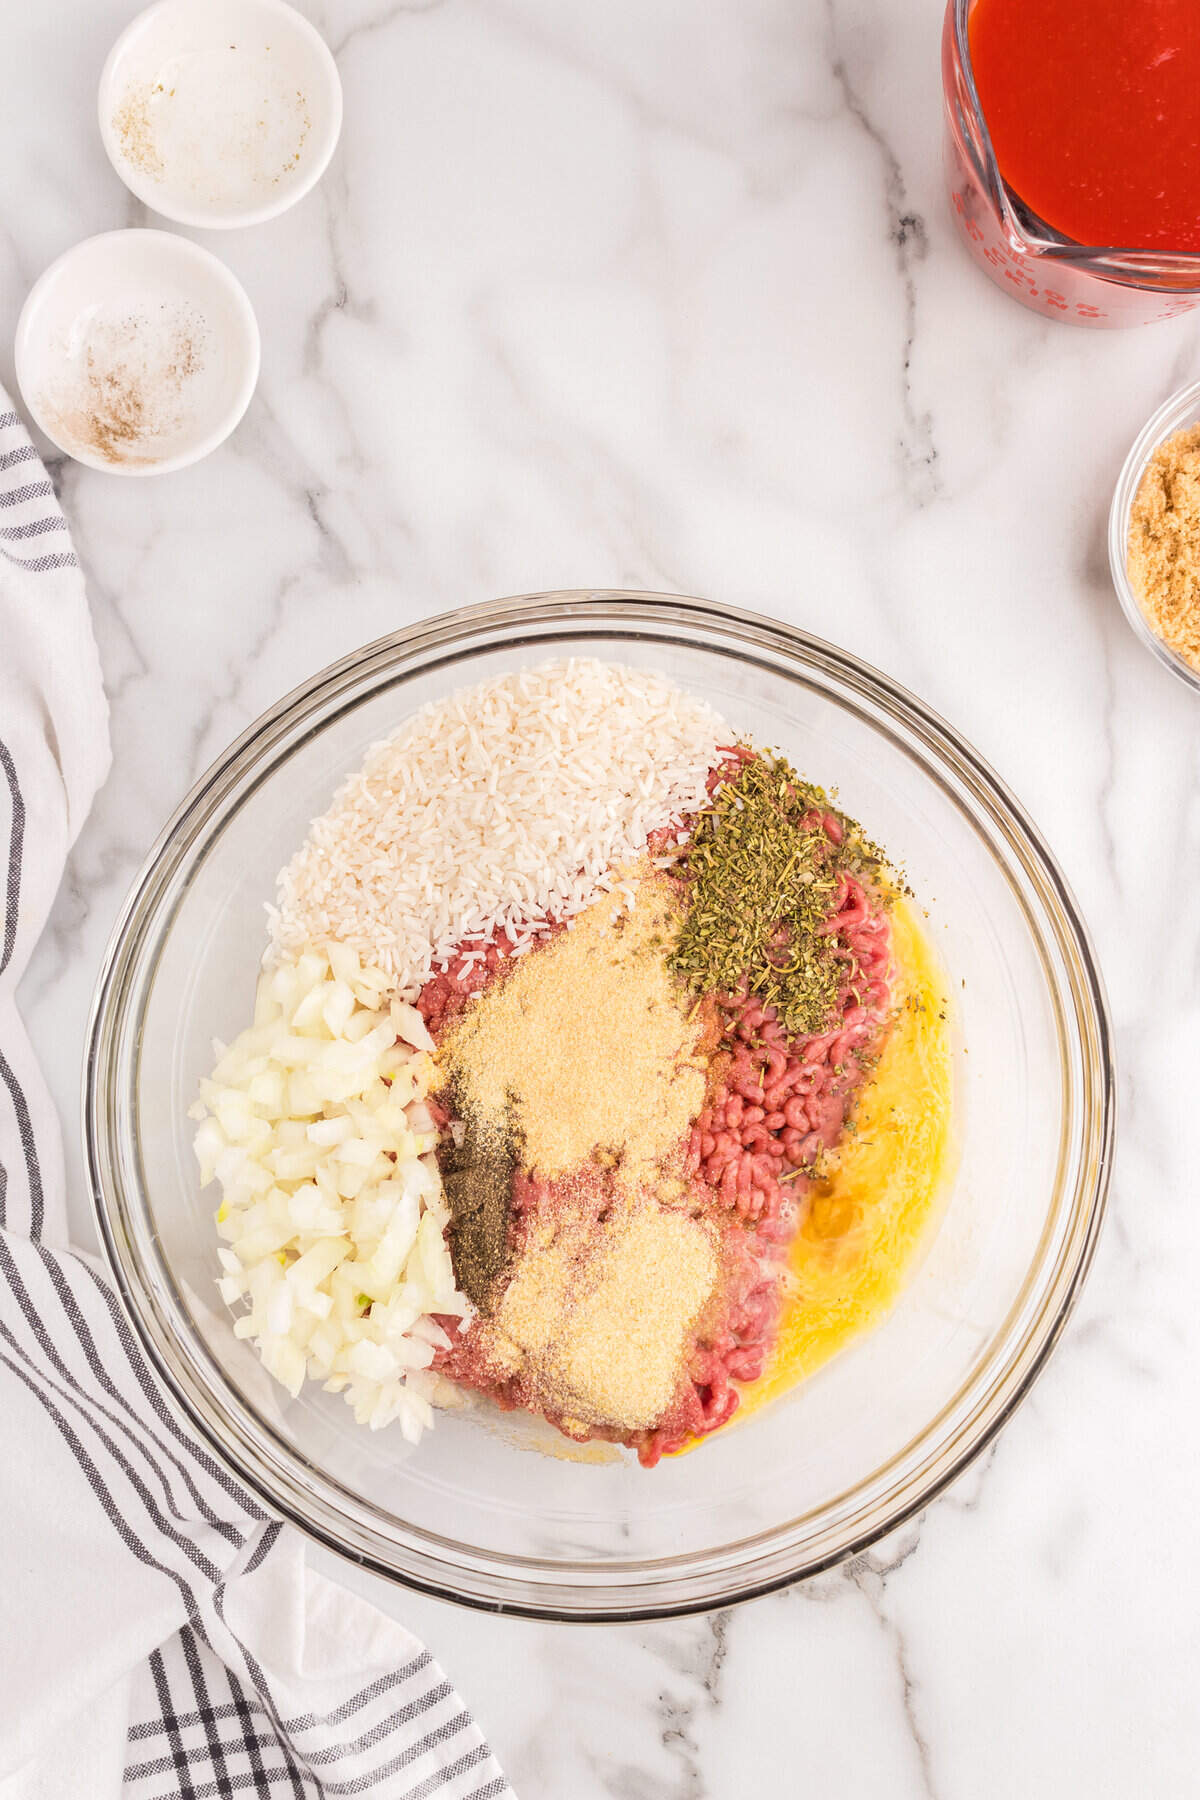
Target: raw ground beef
x,y
776,1105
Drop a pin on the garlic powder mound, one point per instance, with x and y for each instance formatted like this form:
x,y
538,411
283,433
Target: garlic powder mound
x,y
621,1359
602,1338
590,1045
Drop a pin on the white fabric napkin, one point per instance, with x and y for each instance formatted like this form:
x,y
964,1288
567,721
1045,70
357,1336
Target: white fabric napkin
x,y
157,1628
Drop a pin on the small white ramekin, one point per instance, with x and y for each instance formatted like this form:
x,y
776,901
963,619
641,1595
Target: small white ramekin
x,y
219,113
137,352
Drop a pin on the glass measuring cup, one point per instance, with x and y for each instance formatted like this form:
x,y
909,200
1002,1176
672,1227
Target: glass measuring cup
x,y
1051,274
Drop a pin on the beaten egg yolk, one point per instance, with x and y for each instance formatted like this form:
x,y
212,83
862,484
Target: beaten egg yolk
x,y
849,1258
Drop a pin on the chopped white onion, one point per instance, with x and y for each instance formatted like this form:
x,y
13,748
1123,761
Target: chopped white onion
x,y
315,1125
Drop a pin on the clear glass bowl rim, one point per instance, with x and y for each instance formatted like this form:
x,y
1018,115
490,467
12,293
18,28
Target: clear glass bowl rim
x,y
1180,409
499,1583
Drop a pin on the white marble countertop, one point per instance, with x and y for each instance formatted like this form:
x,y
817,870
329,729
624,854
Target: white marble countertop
x,y
668,297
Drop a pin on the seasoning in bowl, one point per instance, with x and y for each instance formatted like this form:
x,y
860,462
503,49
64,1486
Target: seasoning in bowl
x,y
220,112
137,352
124,393
1163,554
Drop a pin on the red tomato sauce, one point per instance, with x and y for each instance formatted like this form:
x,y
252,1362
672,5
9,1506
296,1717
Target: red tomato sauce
x,y
1094,112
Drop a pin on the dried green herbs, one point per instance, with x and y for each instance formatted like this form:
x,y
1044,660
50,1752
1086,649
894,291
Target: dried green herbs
x,y
764,876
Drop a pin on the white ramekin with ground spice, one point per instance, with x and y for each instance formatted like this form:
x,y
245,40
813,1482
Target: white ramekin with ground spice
x,y
220,113
137,352
1154,535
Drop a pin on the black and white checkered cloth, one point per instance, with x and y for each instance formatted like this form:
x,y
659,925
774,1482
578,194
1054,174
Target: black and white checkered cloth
x,y
160,1635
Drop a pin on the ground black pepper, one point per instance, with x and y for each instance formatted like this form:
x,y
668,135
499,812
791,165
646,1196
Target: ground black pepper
x,y
477,1176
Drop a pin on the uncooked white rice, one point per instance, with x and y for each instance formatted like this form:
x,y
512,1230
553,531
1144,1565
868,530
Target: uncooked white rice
x,y
508,804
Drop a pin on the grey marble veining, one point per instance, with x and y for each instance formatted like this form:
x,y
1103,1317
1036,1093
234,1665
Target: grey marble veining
x,y
668,297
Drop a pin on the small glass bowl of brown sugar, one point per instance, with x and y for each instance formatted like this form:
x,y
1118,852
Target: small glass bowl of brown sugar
x,y
1154,535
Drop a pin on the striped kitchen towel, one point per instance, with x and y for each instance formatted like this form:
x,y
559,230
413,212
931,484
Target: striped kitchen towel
x,y
160,1635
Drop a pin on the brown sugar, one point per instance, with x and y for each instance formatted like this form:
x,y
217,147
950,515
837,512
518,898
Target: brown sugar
x,y
1163,556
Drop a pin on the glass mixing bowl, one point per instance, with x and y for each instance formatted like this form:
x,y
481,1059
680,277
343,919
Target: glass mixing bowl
x,y
473,1513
